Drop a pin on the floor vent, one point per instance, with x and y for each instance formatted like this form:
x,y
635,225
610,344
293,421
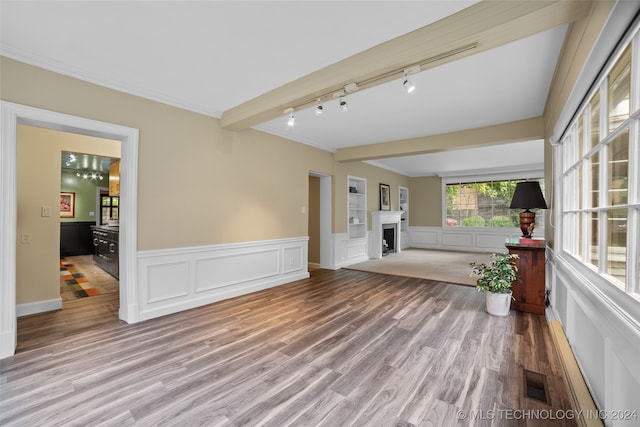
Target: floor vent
x,y
535,386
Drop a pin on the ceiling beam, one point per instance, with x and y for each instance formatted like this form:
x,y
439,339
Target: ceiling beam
x,y
521,130
488,24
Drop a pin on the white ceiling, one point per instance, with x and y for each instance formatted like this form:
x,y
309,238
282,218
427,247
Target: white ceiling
x,y
210,56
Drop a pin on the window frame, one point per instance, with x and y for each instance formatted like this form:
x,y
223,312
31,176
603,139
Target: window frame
x,y
575,210
469,179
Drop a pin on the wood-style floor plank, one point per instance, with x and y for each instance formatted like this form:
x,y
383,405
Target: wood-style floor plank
x,y
342,348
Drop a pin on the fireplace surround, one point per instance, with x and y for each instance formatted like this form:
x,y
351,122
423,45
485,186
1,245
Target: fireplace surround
x,y
381,220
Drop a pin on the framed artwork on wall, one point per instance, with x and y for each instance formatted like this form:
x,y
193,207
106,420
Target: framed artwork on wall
x,y
67,205
385,197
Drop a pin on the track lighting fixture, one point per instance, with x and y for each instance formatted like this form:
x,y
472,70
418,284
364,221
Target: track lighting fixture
x,y
90,175
319,107
343,103
291,121
408,85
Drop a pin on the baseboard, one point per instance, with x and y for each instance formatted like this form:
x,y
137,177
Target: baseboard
x,y
38,307
579,395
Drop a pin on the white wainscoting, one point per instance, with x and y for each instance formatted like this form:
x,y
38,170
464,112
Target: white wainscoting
x,y
172,280
349,251
467,239
604,336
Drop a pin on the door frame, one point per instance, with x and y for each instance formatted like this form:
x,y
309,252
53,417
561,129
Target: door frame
x,y
14,114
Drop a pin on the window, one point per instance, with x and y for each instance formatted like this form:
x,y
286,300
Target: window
x,y
601,218
109,208
484,204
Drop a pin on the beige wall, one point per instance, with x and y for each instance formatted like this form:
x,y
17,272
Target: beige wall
x,y
197,183
314,220
374,177
425,202
38,154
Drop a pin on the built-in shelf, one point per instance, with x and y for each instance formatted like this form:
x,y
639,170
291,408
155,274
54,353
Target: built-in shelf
x,y
356,207
403,203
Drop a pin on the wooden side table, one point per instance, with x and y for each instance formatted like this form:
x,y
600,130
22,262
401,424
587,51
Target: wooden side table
x,y
529,293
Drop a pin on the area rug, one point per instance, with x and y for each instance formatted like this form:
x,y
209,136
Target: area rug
x,y
78,283
442,266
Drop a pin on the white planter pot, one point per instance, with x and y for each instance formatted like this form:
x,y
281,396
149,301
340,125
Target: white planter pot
x,y
498,304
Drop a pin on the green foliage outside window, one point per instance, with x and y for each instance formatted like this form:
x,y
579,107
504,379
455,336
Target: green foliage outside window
x,y
482,204
501,221
473,221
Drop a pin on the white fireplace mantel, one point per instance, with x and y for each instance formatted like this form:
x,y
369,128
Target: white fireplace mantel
x,y
375,239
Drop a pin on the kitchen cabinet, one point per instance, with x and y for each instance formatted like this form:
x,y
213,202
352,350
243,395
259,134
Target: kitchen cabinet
x,y
76,238
114,178
106,252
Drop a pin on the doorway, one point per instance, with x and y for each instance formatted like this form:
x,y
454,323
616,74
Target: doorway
x,y
320,248
15,114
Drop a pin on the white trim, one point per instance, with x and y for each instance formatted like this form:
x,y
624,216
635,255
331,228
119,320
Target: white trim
x,y
378,219
38,307
12,115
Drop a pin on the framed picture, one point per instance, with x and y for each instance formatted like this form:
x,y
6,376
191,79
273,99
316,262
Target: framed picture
x,y
67,205
385,197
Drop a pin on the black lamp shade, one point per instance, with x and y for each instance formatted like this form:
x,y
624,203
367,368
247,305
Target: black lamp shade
x,y
528,195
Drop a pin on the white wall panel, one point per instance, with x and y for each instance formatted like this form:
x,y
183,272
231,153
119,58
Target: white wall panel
x,y
457,240
293,259
227,269
173,280
460,239
348,251
166,280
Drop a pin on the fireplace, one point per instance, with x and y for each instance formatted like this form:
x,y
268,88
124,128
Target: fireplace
x,y
388,238
385,226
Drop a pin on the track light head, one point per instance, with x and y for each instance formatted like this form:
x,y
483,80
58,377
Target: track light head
x,y
408,85
343,103
291,121
319,108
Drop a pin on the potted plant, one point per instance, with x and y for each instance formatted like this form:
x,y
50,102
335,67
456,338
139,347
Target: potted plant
x,y
495,280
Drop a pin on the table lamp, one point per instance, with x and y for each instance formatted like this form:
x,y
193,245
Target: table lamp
x,y
528,195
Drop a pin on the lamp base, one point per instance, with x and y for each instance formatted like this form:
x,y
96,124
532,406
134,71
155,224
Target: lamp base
x,y
527,223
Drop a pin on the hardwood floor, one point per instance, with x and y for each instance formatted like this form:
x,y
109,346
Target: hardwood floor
x,y
342,348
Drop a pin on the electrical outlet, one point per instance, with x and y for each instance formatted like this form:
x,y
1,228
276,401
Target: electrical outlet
x,y
25,238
